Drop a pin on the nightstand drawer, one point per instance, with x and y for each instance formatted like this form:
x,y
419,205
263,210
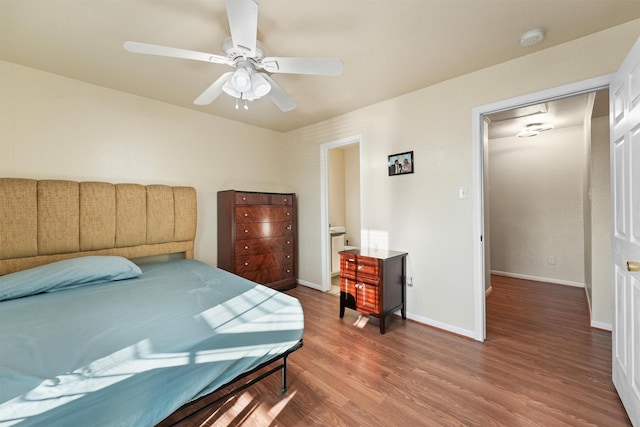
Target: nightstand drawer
x,y
348,265
368,267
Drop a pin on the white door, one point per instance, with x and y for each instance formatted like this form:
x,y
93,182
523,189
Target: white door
x,y
624,101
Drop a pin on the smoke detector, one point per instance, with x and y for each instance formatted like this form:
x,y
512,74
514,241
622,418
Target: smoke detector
x,y
532,37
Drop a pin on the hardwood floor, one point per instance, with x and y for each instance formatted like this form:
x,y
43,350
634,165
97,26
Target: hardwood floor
x,y
541,365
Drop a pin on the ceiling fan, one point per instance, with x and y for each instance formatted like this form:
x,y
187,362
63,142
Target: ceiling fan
x,y
251,79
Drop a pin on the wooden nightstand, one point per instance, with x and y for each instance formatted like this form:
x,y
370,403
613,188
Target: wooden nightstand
x,y
372,281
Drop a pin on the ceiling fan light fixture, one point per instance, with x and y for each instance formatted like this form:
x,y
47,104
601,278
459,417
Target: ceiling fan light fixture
x,y
241,80
230,90
260,85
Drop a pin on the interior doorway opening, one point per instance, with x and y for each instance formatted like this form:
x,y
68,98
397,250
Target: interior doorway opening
x,y
481,259
341,201
547,197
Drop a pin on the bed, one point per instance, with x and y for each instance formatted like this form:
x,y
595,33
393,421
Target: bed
x,y
88,337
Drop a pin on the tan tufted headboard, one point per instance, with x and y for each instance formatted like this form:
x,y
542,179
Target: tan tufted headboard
x,y
43,221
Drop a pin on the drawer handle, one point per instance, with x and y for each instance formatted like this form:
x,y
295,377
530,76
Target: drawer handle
x,y
359,267
288,242
352,260
285,199
288,213
288,256
289,227
288,271
246,263
246,231
246,214
246,247
244,198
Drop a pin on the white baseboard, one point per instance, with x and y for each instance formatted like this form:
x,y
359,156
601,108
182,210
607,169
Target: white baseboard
x,y
602,325
440,325
310,285
538,278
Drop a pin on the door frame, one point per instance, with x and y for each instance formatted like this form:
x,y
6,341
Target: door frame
x,y
478,166
325,238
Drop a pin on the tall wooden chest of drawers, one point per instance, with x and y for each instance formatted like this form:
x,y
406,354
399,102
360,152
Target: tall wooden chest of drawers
x,y
372,281
257,236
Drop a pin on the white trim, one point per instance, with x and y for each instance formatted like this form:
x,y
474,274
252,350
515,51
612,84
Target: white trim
x,y
325,246
440,325
477,115
601,325
539,279
310,285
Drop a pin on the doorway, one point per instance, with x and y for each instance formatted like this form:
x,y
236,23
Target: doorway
x,y
548,197
480,152
341,199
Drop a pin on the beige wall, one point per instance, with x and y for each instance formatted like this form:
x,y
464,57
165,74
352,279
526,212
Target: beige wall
x,y
335,162
421,213
344,190
55,127
52,127
536,206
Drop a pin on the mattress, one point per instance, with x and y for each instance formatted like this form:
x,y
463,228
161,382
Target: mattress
x,y
130,352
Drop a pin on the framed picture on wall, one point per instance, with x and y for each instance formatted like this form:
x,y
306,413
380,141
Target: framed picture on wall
x,y
401,163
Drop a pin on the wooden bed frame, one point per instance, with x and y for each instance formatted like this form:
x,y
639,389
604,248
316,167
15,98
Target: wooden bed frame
x,y
43,221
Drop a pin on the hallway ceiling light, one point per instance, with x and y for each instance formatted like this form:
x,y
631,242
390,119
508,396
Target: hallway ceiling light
x,y
533,129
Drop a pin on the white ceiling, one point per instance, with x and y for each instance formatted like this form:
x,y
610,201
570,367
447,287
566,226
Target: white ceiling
x,y
389,48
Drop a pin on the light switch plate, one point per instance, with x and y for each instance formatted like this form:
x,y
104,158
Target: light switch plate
x,y
463,192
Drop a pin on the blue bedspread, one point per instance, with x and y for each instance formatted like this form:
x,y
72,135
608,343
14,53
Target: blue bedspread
x,y
131,352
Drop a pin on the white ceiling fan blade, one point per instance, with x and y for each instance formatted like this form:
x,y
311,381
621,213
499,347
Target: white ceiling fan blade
x,y
316,66
172,52
278,96
243,23
213,91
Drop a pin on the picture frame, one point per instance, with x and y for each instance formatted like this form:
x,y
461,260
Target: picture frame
x,y
401,163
